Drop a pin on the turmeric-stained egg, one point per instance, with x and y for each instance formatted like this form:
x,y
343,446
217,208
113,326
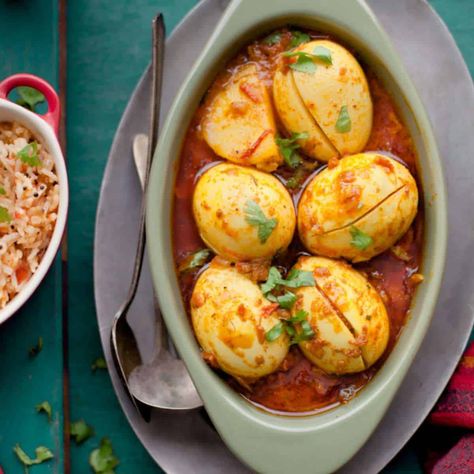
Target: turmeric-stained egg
x,y
357,209
347,315
239,124
242,213
323,91
230,317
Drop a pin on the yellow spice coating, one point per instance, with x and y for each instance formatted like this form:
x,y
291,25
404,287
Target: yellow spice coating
x,y
347,315
369,192
220,205
230,317
297,119
239,124
332,87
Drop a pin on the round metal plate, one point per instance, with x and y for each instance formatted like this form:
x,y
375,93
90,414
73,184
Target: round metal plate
x,y
187,442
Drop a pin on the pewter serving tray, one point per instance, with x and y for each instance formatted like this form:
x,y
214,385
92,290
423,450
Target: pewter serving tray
x,y
187,442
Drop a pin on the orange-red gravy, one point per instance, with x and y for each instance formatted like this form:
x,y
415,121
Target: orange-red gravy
x,y
298,386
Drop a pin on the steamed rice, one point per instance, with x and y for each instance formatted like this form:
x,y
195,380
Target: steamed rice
x,y
29,199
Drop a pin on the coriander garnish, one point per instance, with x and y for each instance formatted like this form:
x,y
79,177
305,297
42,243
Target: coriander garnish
x,y
255,217
297,327
80,431
195,260
323,54
295,279
29,97
4,215
344,123
297,38
46,408
304,61
29,154
99,363
272,38
42,454
288,147
360,239
102,459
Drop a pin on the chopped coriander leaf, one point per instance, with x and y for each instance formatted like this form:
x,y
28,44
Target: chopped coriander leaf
x,y
288,147
99,363
29,97
360,239
195,260
307,329
272,38
29,154
273,279
304,61
300,315
290,330
286,300
35,350
298,278
102,459
323,54
344,123
275,332
2,191
80,431
4,215
42,454
295,279
298,37
46,408
255,217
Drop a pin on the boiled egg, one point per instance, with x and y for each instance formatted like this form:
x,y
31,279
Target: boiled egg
x,y
242,213
230,317
357,209
329,101
347,315
239,124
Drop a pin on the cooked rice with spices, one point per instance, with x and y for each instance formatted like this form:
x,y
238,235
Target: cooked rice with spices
x,y
29,200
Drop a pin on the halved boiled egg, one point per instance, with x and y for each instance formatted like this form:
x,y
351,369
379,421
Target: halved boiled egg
x,y
357,209
230,317
243,214
239,124
330,100
347,315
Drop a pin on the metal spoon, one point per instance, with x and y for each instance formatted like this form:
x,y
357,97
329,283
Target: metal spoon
x,y
166,383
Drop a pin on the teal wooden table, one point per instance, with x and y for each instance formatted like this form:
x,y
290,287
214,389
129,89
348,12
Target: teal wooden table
x,y
94,55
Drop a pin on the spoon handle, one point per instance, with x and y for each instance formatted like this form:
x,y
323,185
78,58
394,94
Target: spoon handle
x,y
158,27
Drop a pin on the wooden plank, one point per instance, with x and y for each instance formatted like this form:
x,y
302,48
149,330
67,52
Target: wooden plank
x,y
29,43
108,49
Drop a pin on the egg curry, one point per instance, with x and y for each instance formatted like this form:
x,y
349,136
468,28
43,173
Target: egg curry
x,y
297,223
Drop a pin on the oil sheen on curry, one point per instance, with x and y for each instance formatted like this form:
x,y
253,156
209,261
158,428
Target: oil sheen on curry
x,y
297,223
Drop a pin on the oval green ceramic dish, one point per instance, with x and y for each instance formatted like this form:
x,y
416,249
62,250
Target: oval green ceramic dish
x,y
266,442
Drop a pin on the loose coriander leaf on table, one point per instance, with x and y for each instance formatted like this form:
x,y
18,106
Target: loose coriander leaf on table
x,y
272,38
45,407
29,97
255,217
103,459
275,332
99,363
80,431
4,215
323,54
42,454
29,154
360,239
36,349
298,37
343,123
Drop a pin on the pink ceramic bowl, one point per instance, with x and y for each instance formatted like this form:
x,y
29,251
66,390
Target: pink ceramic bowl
x,y
45,128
